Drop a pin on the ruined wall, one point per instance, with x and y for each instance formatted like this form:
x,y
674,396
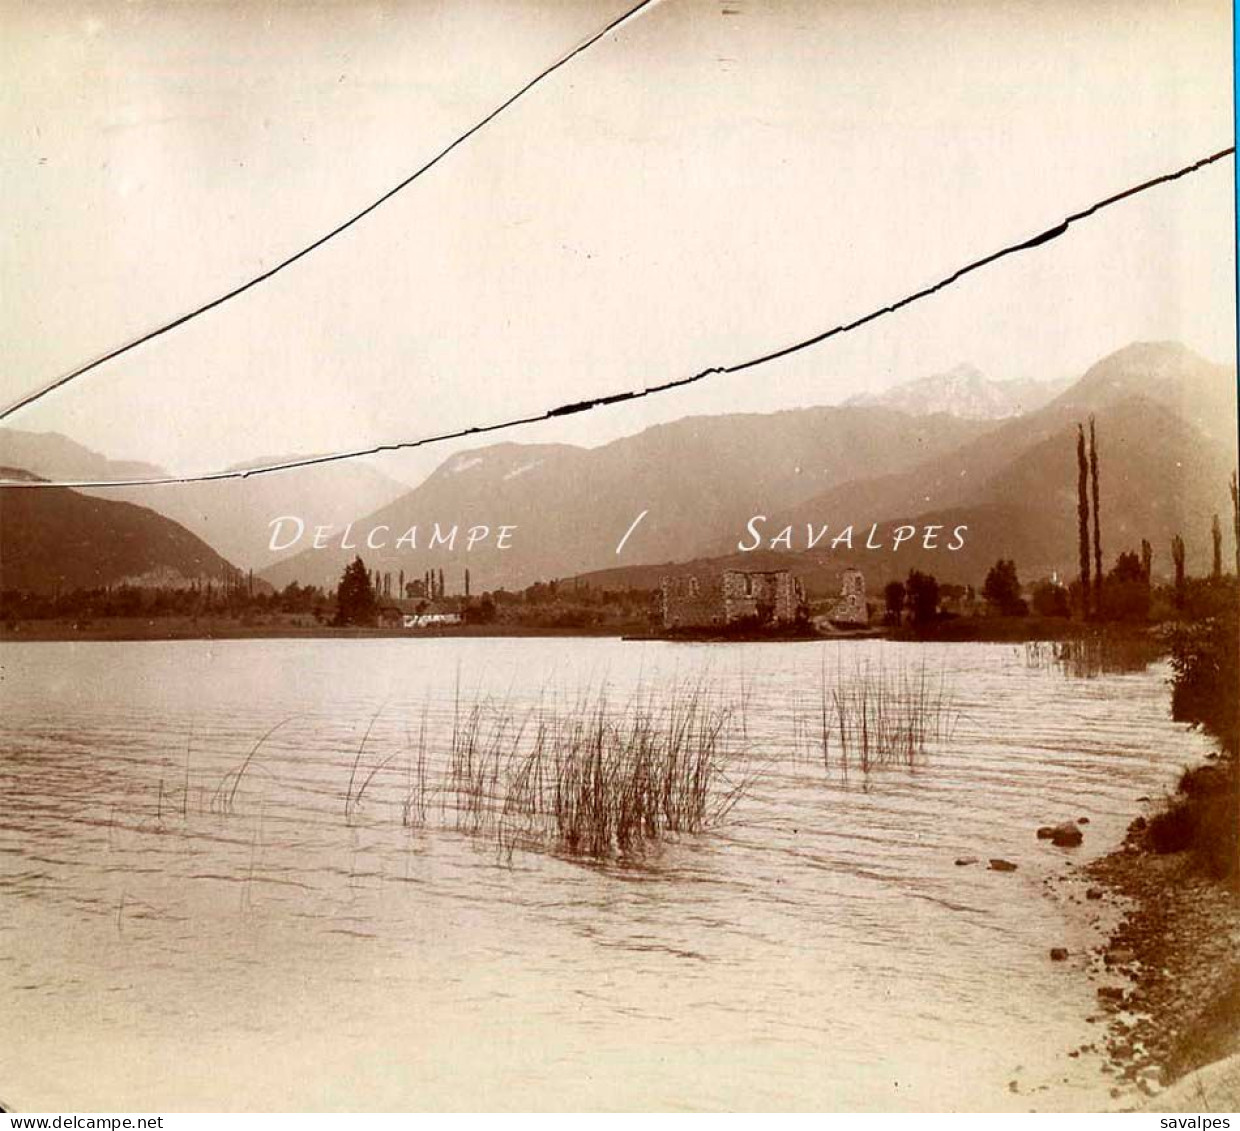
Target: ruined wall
x,y
692,602
851,607
736,594
750,593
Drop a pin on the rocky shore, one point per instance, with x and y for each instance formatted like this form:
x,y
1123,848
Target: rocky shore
x,y
1167,976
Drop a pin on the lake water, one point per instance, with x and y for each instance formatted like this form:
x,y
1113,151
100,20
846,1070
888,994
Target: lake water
x,y
161,949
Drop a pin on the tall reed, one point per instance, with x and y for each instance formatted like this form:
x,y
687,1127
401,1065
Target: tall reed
x,y
225,796
588,778
881,717
595,780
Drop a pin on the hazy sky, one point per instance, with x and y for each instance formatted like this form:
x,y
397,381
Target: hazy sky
x,y
714,181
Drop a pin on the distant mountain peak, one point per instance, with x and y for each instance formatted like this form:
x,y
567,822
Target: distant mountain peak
x,y
1203,392
963,391
1144,361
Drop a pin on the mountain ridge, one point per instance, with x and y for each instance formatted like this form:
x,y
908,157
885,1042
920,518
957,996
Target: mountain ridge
x,y
1020,471
233,516
59,539
571,505
965,392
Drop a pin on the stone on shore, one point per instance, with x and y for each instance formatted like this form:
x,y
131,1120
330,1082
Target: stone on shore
x,y
997,865
1066,835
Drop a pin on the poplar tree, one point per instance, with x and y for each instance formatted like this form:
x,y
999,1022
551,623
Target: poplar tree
x,y
1177,556
1235,518
1093,475
1082,515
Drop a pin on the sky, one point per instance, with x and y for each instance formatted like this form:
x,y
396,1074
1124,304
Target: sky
x,y
711,182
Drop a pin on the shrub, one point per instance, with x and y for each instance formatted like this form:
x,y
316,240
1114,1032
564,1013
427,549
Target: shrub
x,y
1050,600
1204,816
922,597
1002,589
1172,828
1205,662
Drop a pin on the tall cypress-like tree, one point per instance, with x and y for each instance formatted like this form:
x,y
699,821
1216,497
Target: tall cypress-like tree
x,y
1177,556
1093,475
1235,519
1147,559
1082,515
1216,536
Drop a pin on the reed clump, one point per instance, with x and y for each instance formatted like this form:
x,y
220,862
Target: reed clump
x,y
878,716
587,777
591,780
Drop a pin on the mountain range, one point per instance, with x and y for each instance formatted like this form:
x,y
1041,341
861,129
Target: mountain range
x,y
964,391
233,515
1165,420
953,455
570,506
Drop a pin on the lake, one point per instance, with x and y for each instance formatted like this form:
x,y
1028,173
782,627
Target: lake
x,y
188,922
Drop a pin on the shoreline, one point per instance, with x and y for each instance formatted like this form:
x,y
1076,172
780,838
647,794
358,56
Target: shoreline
x,y
983,630
137,630
1167,976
